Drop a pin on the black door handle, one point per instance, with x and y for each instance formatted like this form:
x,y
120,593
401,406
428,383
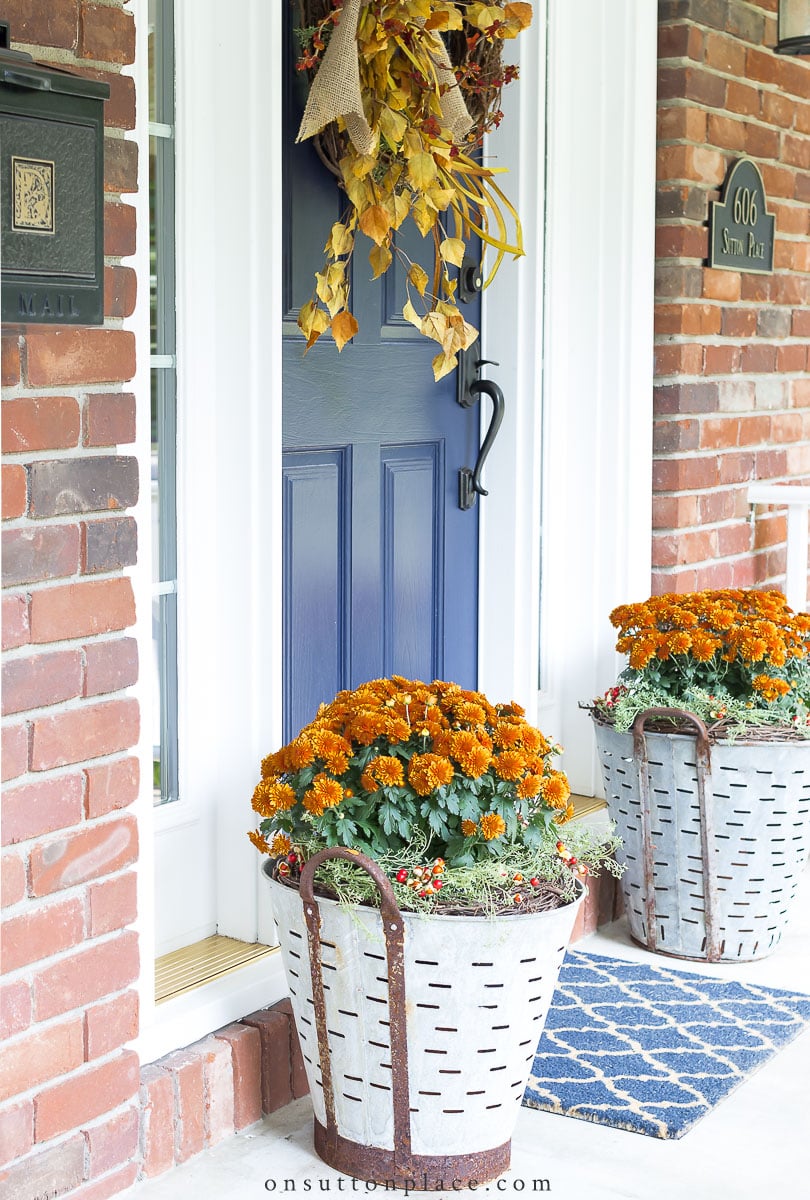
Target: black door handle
x,y
469,481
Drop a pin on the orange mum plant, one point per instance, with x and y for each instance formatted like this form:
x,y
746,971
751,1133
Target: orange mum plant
x,y
429,779
736,658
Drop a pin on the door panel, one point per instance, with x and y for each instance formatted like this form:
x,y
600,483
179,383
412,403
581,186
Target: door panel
x,y
381,565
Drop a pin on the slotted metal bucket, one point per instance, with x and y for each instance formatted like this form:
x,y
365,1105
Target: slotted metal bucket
x,y
715,837
418,1032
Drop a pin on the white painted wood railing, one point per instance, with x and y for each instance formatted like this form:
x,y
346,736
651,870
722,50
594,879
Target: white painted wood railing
x,y
797,502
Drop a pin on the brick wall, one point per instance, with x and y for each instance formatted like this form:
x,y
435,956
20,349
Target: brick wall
x,y
732,390
68,1086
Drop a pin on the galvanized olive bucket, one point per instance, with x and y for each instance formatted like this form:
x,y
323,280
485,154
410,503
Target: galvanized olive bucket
x,y
715,837
418,1032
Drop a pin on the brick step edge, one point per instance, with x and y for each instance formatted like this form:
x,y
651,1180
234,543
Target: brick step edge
x,y
196,1097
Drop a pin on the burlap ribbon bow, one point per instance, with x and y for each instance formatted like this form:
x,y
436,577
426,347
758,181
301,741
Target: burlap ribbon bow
x,y
335,91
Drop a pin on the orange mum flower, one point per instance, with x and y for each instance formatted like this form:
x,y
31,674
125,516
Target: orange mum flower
x,y
324,793
280,844
428,772
510,764
492,826
388,770
471,756
529,786
555,790
469,828
300,753
259,842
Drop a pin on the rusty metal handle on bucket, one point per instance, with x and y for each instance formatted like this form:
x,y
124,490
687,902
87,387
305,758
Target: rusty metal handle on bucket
x,y
703,765
395,952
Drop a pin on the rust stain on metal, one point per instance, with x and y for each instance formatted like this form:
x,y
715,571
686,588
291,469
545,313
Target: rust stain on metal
x,y
422,1172
703,763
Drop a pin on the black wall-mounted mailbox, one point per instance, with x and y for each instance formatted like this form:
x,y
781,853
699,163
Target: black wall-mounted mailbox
x,y
51,192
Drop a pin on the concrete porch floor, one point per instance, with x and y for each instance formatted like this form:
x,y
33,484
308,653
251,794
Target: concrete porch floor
x,y
748,1147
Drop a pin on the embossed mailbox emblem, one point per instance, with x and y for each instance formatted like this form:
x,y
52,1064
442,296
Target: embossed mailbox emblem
x,y
51,192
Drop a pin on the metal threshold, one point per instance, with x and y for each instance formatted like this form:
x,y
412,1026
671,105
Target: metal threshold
x,y
201,963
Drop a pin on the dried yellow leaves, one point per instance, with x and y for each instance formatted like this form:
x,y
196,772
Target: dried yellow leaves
x,y
420,166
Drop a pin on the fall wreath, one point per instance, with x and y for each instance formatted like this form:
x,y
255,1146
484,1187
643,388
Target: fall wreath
x,y
402,93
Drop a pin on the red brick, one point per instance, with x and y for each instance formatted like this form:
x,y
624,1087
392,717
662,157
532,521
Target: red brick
x,y
15,1007
83,733
721,285
15,750
119,229
113,903
756,287
94,483
725,54
186,1069
106,34
779,181
770,529
41,679
770,464
15,491
53,1171
741,98
739,322
758,358
687,318
721,360
120,291
37,808
82,610
680,41
245,1044
109,419
87,975
680,358
682,398
217,1088
113,1142
36,553
94,1091
46,24
793,290
671,436
686,474
274,1031
12,879
681,122
110,666
120,108
800,393
10,359
674,512
157,1120
725,132
16,630
35,935
791,359
111,1185
110,1024
76,356
100,849
16,1131
40,423
111,786
786,427
754,430
691,83
39,1056
722,505
687,546
719,433
300,1086
681,241
120,167
760,142
734,539
736,468
688,162
109,544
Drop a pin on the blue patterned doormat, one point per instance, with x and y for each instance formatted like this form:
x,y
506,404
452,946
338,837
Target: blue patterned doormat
x,y
645,1048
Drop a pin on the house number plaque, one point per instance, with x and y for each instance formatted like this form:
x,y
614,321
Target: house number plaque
x,y
741,229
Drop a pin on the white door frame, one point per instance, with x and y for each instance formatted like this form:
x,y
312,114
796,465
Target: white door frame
x,y
574,448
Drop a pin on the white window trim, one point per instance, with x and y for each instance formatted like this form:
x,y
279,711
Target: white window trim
x,y
588,424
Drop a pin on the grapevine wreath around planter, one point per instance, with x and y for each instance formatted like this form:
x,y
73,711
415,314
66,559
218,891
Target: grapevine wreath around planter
x,y
402,93
424,898
705,751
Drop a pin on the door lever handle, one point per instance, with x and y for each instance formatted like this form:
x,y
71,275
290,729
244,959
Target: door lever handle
x,y
469,481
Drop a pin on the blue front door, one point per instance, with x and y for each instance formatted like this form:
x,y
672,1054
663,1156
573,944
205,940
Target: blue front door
x,y
380,564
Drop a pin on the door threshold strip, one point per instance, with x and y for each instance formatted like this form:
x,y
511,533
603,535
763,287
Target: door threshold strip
x,y
585,805
203,962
